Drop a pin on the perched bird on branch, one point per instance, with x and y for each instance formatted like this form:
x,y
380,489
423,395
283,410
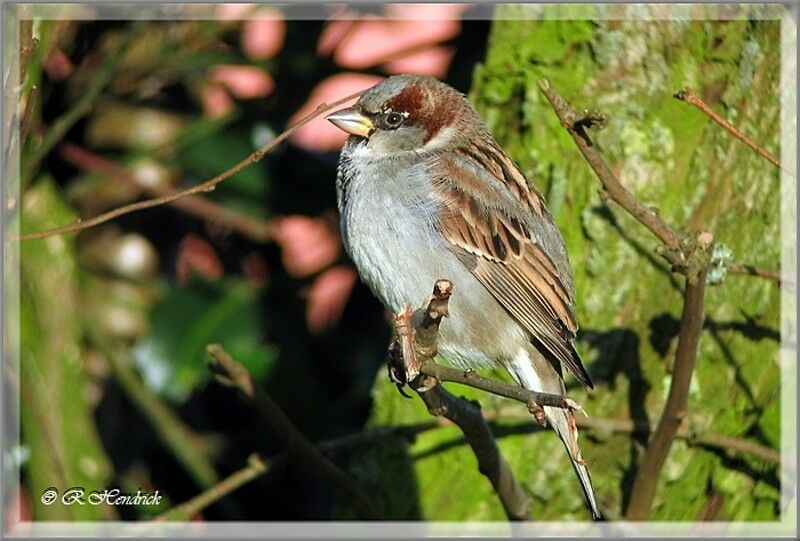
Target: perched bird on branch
x,y
425,192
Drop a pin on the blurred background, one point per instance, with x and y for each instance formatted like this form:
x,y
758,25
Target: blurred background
x,y
113,384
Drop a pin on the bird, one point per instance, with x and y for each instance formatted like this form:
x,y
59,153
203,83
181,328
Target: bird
x,y
425,192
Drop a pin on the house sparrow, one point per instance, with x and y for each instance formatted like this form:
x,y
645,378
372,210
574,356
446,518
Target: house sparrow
x,y
425,192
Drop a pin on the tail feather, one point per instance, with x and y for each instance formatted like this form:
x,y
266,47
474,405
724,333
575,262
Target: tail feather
x,y
533,372
559,420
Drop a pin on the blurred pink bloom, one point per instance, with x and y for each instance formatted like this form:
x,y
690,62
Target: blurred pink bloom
x,y
231,12
336,29
244,82
406,29
433,62
263,34
197,256
328,296
319,134
216,100
307,244
421,11
19,509
58,65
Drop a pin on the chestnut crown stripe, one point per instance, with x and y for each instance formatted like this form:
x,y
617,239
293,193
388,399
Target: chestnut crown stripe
x,y
422,113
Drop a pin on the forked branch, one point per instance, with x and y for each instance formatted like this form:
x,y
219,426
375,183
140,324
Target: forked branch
x,y
689,255
412,354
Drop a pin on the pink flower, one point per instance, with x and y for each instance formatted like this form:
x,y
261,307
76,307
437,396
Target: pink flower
x,y
406,29
263,34
197,256
244,82
216,100
308,244
328,296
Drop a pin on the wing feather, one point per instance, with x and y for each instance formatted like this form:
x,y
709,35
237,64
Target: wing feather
x,y
509,241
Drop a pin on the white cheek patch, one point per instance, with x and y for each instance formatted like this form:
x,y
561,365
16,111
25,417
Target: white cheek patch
x,y
439,139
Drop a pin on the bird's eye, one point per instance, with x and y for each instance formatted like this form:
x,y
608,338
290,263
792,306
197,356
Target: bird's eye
x,y
393,119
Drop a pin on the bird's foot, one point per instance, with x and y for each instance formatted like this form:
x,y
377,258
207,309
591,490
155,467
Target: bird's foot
x,y
397,368
538,413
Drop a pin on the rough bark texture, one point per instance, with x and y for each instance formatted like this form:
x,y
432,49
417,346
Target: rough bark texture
x,y
670,156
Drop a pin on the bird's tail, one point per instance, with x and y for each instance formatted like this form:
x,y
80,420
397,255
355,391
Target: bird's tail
x,y
534,372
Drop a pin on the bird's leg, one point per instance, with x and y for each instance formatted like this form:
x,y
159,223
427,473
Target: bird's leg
x,y
397,367
415,339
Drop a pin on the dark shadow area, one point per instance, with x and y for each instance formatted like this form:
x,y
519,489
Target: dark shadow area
x,y
618,353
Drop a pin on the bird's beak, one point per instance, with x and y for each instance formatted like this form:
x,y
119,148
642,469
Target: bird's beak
x,y
352,122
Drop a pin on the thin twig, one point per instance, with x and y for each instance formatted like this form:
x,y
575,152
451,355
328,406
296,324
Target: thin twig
x,y
688,96
252,228
649,469
730,444
750,270
614,189
255,468
417,335
229,372
206,186
473,379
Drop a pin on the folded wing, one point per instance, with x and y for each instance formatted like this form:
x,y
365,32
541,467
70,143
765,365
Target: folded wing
x,y
507,238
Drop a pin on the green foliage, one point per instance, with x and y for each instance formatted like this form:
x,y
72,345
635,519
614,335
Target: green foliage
x,y
172,356
246,191
671,156
57,423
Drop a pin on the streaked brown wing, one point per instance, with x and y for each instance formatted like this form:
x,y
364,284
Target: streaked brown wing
x,y
492,234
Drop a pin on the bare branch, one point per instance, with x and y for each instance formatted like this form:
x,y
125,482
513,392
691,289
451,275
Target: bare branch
x,y
473,379
649,470
688,96
417,334
613,187
729,444
252,228
750,270
230,372
688,255
204,187
255,468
